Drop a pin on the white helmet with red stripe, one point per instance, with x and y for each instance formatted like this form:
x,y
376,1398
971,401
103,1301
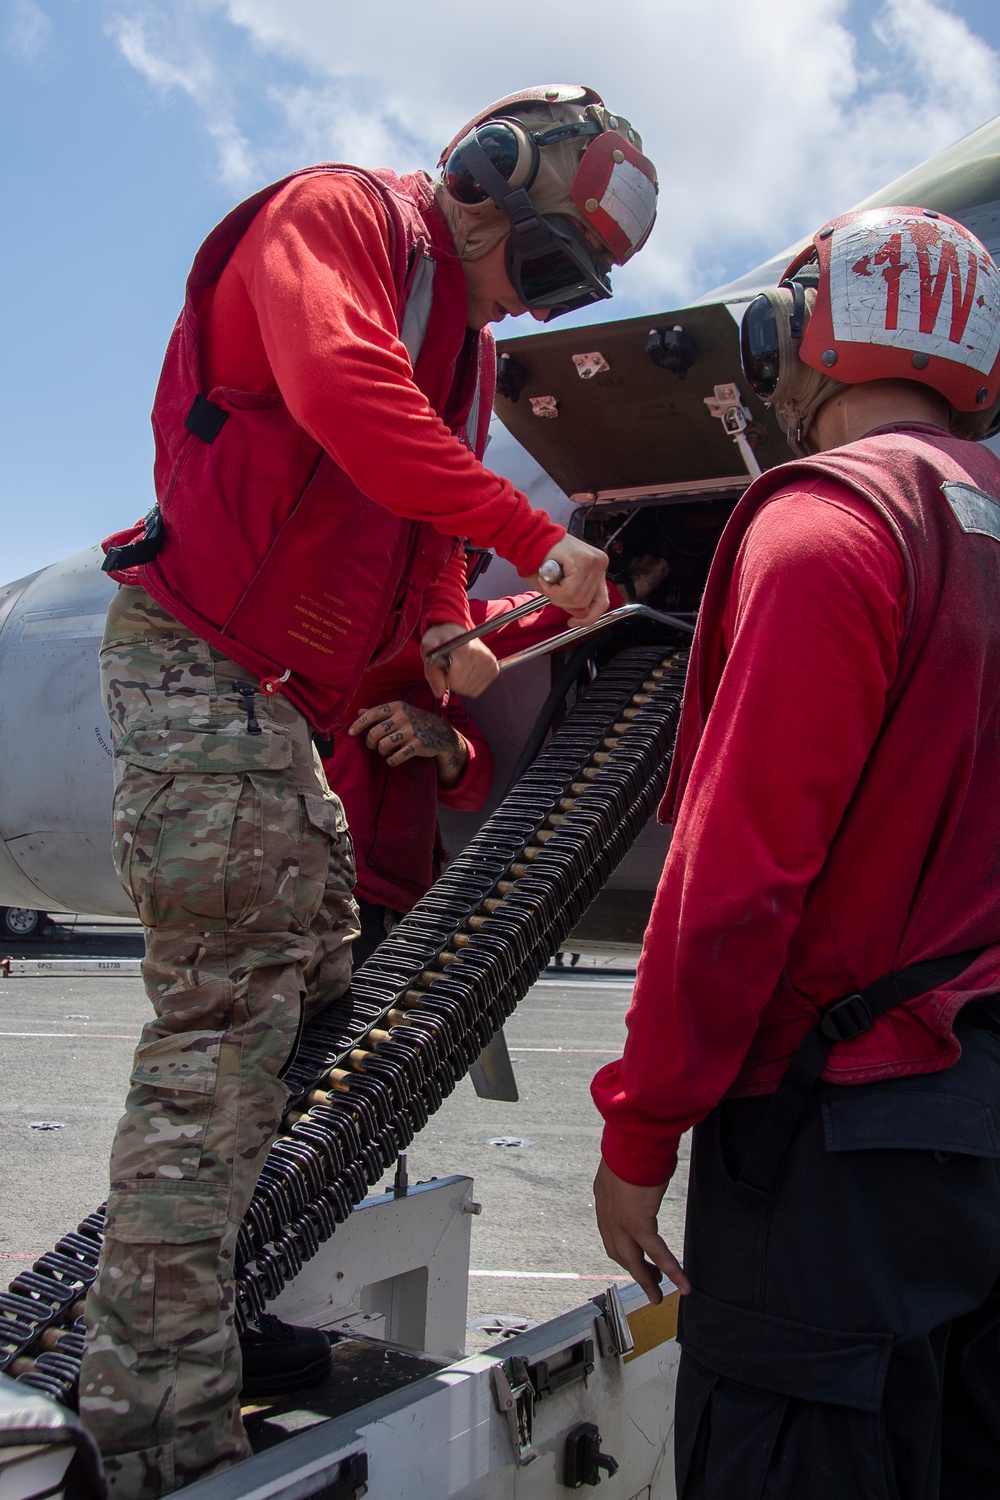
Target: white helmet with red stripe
x,y
880,294
565,178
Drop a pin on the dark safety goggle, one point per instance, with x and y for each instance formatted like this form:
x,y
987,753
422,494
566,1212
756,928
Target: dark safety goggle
x,y
772,326
550,262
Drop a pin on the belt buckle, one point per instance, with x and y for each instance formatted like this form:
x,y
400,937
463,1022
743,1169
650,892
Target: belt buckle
x,y
847,1019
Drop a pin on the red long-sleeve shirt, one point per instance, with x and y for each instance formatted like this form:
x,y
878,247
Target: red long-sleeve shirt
x,y
737,958
307,305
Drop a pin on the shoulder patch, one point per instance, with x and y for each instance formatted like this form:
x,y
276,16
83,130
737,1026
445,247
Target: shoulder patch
x,y
973,509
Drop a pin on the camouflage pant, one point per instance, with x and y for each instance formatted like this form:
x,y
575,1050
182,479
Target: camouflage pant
x,y
239,862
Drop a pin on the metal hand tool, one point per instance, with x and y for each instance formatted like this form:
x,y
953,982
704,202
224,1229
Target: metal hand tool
x,y
549,572
581,632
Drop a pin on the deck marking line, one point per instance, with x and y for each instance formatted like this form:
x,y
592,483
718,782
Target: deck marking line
x,y
549,1276
104,1036
574,1051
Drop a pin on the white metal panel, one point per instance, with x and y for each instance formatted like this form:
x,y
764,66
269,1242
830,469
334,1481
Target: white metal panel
x,y
404,1262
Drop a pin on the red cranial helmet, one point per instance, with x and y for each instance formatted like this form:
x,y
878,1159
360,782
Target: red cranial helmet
x,y
906,294
565,180
880,294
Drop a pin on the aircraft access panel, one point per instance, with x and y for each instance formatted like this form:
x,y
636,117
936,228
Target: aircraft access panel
x,y
634,423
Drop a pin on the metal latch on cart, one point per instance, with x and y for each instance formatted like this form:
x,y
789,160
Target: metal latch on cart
x,y
583,1459
518,1385
351,1482
613,1332
514,1395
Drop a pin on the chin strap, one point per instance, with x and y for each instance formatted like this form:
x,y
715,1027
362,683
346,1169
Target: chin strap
x,y
797,413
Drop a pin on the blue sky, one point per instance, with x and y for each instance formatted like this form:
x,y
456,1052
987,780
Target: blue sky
x,y
131,126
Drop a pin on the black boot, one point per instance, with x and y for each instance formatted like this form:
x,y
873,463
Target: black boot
x,y
279,1357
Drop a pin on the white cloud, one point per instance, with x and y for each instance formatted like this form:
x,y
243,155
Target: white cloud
x,y
149,55
945,54
763,118
29,31
337,121
169,47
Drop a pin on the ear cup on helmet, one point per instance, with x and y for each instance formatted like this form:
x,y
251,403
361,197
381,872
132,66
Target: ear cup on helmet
x,y
774,326
976,425
567,184
770,338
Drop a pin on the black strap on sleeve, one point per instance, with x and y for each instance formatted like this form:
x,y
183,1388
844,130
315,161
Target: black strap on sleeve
x,y
141,551
205,419
841,1022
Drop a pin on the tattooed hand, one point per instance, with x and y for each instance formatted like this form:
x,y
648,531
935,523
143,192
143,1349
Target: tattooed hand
x,y
399,732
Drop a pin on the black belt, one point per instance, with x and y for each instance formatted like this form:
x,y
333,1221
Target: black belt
x,y
841,1022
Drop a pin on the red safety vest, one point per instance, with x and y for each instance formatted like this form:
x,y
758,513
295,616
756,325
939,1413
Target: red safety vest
x,y
271,552
925,812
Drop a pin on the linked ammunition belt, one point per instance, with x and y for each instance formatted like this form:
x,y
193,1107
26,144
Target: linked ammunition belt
x,y
378,1062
